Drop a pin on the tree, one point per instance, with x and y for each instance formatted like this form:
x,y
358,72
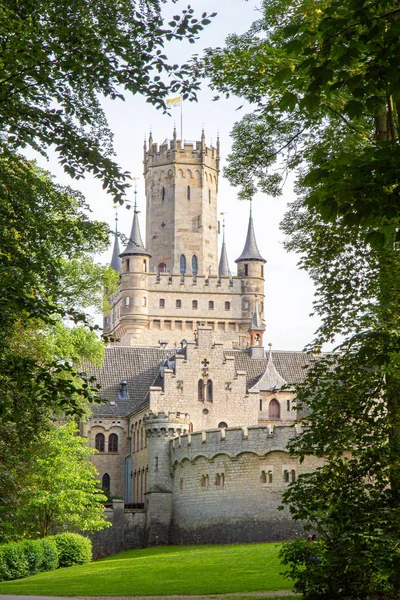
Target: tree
x,y
325,85
60,491
46,279
58,61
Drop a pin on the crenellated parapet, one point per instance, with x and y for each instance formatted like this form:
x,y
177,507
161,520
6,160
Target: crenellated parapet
x,y
166,424
233,441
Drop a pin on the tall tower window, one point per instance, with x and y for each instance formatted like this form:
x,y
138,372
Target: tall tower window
x,y
194,264
262,270
188,192
162,303
113,443
246,270
209,391
163,193
99,442
182,264
227,306
200,390
127,264
144,267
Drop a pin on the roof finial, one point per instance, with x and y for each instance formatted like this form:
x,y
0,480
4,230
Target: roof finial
x,y
116,219
135,192
223,226
270,351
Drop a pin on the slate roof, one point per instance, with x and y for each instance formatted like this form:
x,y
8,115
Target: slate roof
x,y
292,366
139,367
250,250
135,244
115,260
223,268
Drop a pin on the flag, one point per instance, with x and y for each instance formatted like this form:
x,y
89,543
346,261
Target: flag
x,y
174,102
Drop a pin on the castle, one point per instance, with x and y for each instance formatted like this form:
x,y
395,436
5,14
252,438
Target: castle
x,y
197,417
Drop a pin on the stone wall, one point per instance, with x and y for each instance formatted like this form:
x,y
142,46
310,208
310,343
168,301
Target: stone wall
x,y
127,531
228,486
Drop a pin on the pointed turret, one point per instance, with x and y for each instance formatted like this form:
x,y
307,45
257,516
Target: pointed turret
x,y
256,331
256,323
250,251
115,260
223,268
135,245
271,380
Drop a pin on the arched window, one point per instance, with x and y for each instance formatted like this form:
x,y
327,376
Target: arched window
x,y
222,425
269,476
105,482
293,475
274,409
182,264
188,192
162,267
286,476
209,391
263,477
99,442
220,479
200,390
113,443
194,264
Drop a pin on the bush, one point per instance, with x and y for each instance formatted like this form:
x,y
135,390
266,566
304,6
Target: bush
x,y
34,554
73,549
14,563
50,554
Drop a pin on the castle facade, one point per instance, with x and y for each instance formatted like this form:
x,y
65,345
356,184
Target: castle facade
x,y
193,432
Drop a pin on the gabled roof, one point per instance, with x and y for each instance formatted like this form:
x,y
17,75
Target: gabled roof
x,y
138,366
135,244
250,250
270,380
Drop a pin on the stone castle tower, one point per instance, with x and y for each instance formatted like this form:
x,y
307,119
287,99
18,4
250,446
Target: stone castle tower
x,y
175,281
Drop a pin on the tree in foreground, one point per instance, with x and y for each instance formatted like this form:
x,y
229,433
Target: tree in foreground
x,y
324,80
58,61
60,492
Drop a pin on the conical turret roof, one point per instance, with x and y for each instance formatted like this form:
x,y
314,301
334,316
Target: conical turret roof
x,y
223,268
115,260
256,323
135,245
250,250
270,380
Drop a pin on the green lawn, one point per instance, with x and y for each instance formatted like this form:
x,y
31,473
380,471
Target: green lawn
x,y
164,570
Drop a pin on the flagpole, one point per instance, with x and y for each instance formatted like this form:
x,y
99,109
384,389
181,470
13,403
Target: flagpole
x,y
181,119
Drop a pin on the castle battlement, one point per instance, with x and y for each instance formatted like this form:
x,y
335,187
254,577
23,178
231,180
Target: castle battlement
x,y
174,150
257,439
194,283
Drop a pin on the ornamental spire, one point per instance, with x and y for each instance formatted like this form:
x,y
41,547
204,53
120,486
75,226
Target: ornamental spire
x,y
223,268
135,244
115,259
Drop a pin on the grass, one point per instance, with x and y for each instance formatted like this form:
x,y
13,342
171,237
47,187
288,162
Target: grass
x,y
164,570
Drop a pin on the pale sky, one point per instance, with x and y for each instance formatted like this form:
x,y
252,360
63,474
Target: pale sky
x,y
289,292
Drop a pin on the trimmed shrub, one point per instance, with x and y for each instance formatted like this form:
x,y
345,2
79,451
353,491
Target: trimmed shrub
x,y
73,549
34,554
15,564
50,554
